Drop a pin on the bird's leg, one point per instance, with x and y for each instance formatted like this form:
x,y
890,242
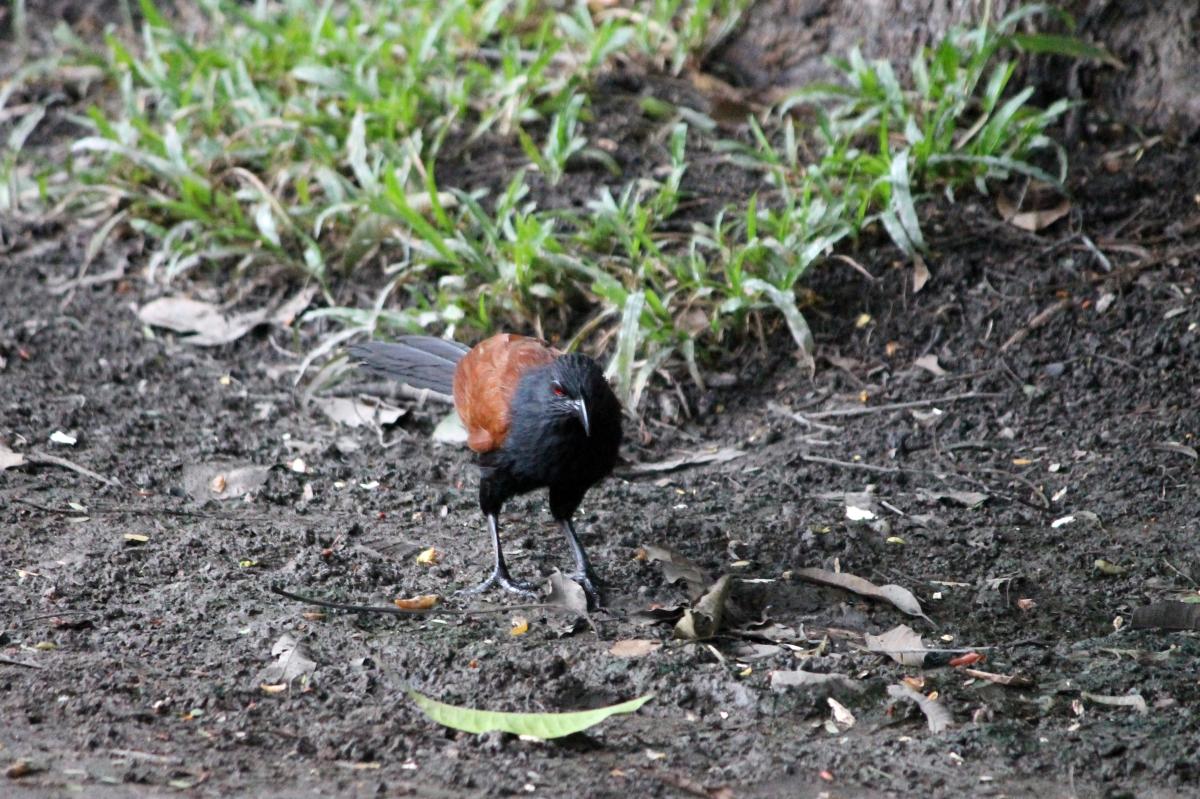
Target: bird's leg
x,y
500,576
583,573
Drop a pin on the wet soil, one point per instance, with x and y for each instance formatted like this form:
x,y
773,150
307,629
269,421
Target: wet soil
x,y
133,667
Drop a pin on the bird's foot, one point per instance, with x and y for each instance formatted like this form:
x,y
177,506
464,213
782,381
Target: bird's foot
x,y
587,580
502,579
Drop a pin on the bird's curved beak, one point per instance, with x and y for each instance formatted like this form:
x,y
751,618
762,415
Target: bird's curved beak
x,y
580,410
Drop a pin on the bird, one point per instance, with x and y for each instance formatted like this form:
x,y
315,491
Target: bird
x,y
535,416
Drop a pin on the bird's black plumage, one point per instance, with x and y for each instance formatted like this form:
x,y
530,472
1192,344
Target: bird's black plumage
x,y
547,445
417,361
563,428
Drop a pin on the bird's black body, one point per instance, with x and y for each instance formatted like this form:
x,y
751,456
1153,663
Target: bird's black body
x,y
563,434
546,446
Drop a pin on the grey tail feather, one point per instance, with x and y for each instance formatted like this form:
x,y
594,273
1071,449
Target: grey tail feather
x,y
417,361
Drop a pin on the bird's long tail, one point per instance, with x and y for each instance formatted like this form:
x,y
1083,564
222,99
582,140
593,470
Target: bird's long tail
x,y
418,361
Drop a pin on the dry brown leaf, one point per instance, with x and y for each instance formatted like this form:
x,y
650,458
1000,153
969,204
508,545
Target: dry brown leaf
x,y
704,619
677,566
10,459
1031,221
920,273
841,714
1134,701
634,647
812,679
421,602
206,324
355,413
902,644
568,594
1167,615
684,459
930,364
223,481
898,596
936,714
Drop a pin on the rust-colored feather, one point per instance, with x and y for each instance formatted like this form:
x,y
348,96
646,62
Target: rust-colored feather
x,y
485,381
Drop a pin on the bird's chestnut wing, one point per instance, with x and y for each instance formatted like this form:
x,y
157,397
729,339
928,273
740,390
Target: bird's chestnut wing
x,y
486,380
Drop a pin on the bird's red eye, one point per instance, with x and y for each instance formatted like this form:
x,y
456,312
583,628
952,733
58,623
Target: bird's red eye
x,y
558,390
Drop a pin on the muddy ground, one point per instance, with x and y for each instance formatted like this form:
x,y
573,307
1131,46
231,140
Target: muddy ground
x,y
135,667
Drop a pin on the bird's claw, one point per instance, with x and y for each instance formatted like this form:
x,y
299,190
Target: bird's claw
x,y
505,581
587,581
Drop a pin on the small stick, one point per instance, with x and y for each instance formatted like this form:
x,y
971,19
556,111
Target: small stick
x,y
11,662
388,610
801,419
899,406
37,456
866,467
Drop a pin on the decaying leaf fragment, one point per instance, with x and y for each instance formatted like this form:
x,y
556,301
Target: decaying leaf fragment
x,y
1167,615
901,598
703,620
422,602
222,481
902,644
936,715
676,566
291,661
634,647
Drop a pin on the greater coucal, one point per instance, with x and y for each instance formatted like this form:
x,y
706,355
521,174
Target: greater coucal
x,y
538,418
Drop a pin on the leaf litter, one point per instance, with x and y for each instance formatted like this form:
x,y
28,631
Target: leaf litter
x,y
542,726
292,661
896,595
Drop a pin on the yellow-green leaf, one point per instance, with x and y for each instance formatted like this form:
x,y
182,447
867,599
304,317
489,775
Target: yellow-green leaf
x,y
535,725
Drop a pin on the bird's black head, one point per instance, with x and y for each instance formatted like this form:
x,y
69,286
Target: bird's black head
x,y
575,389
565,426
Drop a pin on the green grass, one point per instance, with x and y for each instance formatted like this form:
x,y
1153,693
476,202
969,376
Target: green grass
x,y
311,137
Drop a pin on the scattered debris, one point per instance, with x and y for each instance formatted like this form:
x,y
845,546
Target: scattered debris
x,y
542,726
833,682
704,619
421,602
10,459
930,364
634,647
686,459
203,323
898,596
1134,701
567,594
357,412
292,661
222,481
1167,615
1108,569
450,430
676,566
968,499
842,718
902,644
1034,220
1007,680
1178,449
22,768
936,714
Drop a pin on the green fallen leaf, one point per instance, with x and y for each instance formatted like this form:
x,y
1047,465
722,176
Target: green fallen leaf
x,y
535,725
